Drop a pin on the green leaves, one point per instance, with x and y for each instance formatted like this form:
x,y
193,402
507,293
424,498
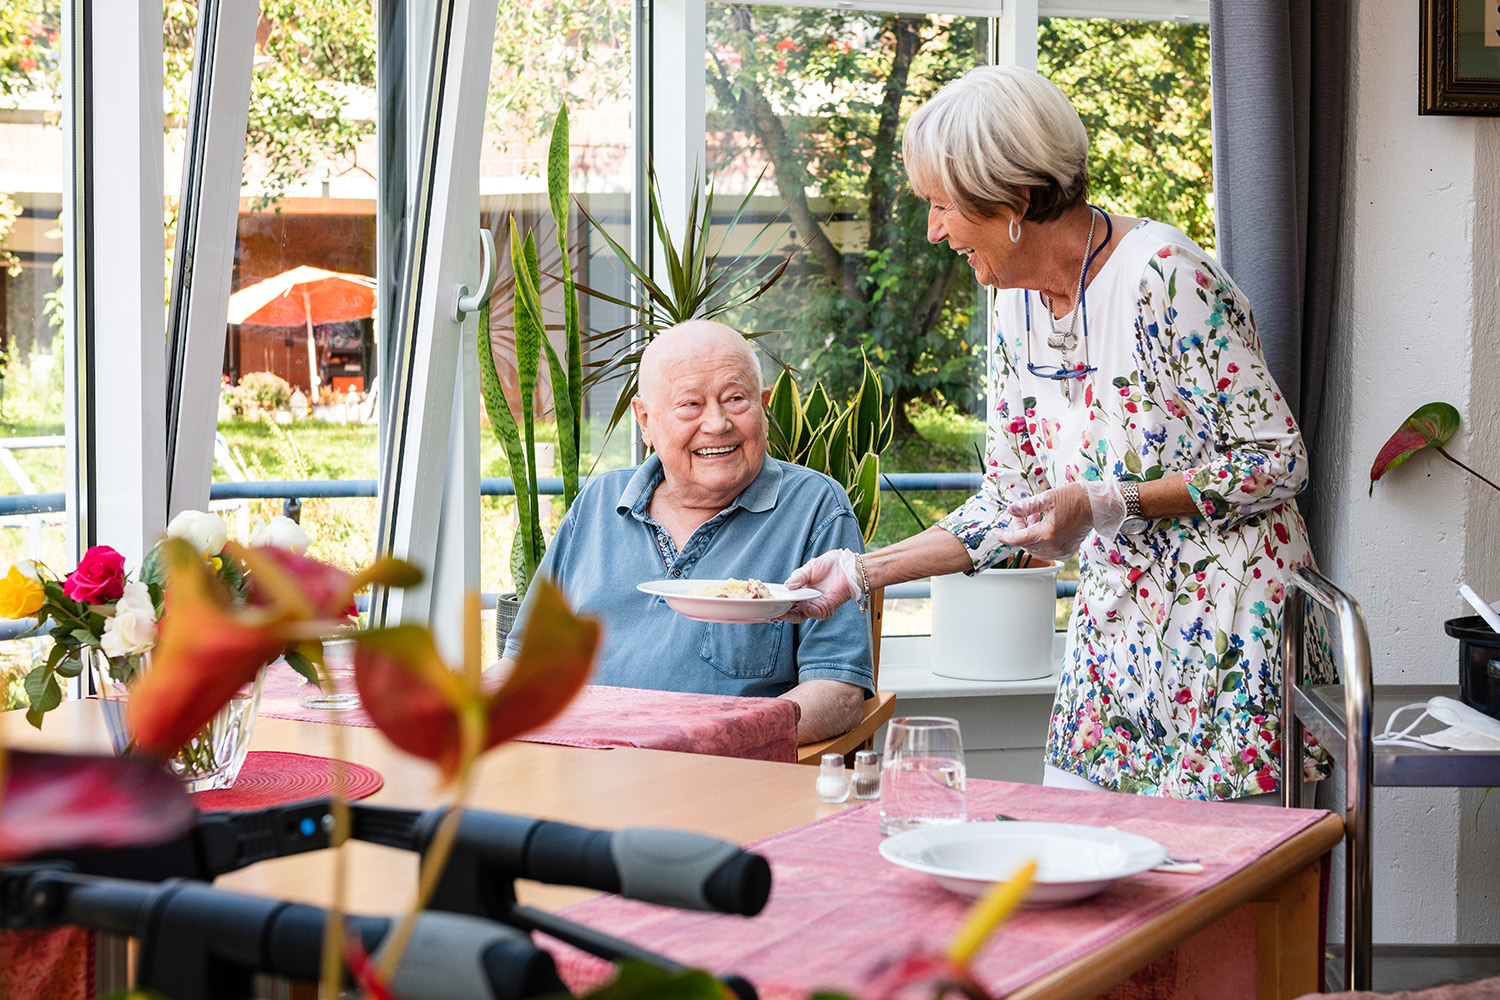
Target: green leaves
x,y
841,442
691,285
531,344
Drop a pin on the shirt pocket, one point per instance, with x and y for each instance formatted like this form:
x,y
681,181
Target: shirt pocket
x,y
743,651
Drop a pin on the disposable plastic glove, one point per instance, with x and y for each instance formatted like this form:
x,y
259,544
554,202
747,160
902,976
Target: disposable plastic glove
x,y
1054,523
835,575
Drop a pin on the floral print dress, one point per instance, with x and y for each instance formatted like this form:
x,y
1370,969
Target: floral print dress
x,y
1171,677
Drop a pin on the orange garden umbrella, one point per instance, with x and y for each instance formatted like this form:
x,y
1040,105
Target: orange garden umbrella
x,y
304,296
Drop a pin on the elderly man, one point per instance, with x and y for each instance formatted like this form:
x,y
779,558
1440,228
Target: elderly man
x,y
710,504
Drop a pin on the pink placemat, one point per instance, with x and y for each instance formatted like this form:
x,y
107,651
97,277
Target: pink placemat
x,y
275,778
754,728
837,909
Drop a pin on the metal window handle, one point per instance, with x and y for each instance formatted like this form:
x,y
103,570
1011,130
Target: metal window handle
x,y
465,301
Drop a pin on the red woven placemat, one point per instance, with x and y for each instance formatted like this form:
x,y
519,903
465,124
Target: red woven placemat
x,y
274,778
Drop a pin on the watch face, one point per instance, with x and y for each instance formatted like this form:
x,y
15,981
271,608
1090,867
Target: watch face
x,y
1133,526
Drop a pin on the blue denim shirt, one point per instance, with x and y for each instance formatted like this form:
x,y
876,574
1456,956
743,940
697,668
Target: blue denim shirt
x,y
607,543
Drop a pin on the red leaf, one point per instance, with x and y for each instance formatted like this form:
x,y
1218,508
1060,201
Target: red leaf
x,y
1430,425
410,694
557,653
206,648
60,802
414,698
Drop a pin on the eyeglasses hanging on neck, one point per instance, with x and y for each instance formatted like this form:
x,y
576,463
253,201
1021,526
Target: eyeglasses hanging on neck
x,y
1065,373
1060,373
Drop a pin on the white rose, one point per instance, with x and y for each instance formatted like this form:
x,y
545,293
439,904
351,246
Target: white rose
x,y
132,628
204,531
283,533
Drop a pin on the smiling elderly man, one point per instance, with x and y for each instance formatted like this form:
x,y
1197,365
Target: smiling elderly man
x,y
708,505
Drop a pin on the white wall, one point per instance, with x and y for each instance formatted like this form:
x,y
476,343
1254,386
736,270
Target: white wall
x,y
1416,323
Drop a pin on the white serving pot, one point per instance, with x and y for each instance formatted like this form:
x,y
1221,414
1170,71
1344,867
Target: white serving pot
x,y
996,625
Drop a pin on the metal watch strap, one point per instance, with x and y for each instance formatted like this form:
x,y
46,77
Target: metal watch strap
x,y
1132,494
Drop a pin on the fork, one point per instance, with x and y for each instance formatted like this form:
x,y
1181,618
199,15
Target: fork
x,y
1171,863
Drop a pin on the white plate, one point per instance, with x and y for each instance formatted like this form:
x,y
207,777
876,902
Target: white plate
x,y
679,594
1073,862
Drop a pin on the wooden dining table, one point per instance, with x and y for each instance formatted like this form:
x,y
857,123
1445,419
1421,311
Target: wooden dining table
x,y
1271,905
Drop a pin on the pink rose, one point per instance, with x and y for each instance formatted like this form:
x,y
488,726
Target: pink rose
x,y
99,578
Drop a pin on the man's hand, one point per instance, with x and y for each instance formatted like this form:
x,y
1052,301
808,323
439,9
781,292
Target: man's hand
x,y
835,575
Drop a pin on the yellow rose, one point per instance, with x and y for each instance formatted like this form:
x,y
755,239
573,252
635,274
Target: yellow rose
x,y
21,593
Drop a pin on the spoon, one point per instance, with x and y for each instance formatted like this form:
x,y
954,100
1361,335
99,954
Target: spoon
x,y
1171,859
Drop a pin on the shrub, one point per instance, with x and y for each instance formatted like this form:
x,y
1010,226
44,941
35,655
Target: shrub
x,y
267,389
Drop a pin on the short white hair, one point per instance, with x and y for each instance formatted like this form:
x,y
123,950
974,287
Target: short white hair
x,y
986,138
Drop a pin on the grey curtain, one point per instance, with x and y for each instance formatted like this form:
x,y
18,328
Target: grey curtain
x,y
1279,80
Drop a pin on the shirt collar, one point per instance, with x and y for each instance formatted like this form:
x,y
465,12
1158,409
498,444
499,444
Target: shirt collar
x,y
760,495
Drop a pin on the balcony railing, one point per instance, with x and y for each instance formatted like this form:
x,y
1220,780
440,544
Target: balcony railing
x,y
292,493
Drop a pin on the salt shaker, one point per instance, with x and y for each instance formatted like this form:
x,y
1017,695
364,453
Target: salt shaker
x,y
867,775
833,783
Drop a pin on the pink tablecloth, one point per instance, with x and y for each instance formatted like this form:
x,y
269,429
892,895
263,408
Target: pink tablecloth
x,y
755,728
837,908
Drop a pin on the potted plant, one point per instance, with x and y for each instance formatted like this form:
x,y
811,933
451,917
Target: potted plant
x,y
518,436
1431,426
998,624
103,622
694,285
842,442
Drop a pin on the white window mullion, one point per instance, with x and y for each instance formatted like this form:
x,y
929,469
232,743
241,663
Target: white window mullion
x,y
203,265
426,451
115,247
679,38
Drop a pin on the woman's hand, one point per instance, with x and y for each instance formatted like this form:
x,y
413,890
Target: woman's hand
x,y
1054,523
836,577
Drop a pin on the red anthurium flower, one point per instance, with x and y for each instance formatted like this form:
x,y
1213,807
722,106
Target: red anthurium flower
x,y
1430,426
423,707
60,802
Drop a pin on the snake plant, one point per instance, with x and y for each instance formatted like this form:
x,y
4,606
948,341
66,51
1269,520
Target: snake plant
x,y
844,442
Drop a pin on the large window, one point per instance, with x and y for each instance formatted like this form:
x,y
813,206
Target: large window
x,y
298,379
547,55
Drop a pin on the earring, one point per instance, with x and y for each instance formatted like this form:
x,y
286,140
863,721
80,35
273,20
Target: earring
x,y
1015,229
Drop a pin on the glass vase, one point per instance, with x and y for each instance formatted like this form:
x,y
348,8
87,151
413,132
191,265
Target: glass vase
x,y
215,754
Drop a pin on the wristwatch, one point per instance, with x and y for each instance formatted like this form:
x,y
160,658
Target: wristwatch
x,y
1135,521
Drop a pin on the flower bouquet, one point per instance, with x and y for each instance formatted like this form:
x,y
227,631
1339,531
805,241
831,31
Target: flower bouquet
x,y
102,620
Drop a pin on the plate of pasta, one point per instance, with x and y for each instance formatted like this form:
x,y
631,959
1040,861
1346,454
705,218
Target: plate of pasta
x,y
726,601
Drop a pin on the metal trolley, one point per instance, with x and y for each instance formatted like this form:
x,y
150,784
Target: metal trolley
x,y
1297,705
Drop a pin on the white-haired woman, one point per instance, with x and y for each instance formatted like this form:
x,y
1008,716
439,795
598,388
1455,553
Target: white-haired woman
x,y
1133,421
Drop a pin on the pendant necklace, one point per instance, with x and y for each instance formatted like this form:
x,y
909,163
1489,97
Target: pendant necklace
x,y
1066,340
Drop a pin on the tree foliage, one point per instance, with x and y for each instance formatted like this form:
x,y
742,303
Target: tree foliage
x,y
822,95
1141,88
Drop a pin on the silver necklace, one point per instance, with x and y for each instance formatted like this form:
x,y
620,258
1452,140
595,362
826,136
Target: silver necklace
x,y
1066,340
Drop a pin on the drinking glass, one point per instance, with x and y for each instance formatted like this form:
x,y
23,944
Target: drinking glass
x,y
337,690
922,776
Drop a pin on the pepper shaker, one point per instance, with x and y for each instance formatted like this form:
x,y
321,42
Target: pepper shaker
x,y
833,783
867,775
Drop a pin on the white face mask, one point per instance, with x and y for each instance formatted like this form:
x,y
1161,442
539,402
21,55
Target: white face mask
x,y
1467,728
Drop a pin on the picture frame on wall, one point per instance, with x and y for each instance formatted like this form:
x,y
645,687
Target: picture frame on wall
x,y
1460,58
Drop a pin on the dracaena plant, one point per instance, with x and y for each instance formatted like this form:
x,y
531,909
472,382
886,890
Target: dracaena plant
x,y
694,285
1429,426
